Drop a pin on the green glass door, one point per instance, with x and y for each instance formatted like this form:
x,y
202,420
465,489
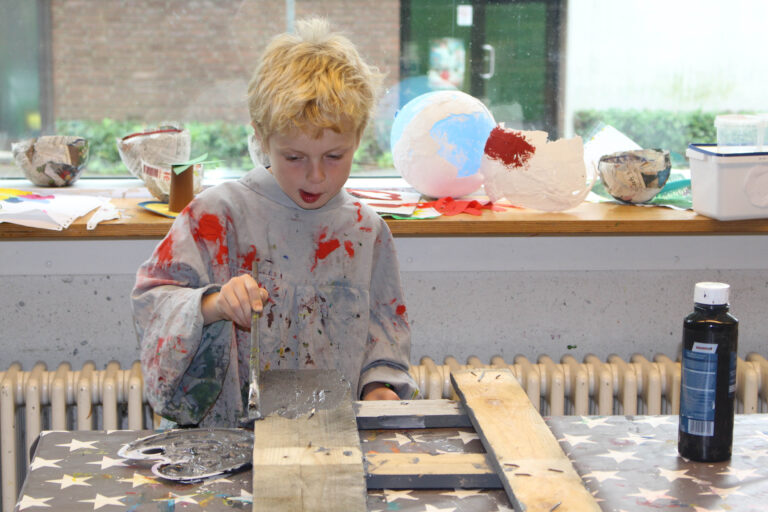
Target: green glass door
x,y
505,52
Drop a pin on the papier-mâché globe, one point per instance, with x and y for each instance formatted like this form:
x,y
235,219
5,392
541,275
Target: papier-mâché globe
x,y
438,140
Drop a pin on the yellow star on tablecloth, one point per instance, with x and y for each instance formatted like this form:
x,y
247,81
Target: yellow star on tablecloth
x,y
638,439
655,421
179,498
740,474
392,495
601,476
651,496
222,480
619,456
672,475
577,440
138,479
77,445
432,508
592,422
245,497
465,437
102,501
724,492
403,439
69,480
108,462
462,493
39,462
29,501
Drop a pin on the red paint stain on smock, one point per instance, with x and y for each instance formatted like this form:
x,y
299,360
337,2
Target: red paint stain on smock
x,y
324,247
209,228
165,251
349,248
154,358
249,258
359,211
400,310
508,146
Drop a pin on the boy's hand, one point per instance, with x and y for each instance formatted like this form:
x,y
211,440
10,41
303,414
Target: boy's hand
x,y
235,301
379,391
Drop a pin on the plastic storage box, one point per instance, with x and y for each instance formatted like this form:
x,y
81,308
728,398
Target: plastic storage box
x,y
738,130
729,183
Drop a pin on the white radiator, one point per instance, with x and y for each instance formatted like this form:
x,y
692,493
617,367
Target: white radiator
x,y
596,387
39,400
110,399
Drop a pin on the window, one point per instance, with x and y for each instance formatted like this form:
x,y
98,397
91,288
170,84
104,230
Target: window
x,y
658,71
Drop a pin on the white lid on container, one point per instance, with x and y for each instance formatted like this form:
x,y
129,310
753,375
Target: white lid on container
x,y
737,120
711,293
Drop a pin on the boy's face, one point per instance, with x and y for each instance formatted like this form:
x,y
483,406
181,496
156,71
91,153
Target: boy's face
x,y
311,171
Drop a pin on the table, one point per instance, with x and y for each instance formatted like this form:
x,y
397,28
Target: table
x,y
585,219
628,463
631,463
80,470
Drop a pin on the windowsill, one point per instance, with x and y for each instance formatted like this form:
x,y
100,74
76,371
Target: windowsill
x,y
592,219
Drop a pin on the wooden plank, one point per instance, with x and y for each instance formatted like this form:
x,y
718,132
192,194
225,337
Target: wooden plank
x,y
307,454
428,471
533,469
392,414
586,218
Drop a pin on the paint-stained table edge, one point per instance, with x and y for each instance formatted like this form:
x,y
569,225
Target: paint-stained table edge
x,y
594,219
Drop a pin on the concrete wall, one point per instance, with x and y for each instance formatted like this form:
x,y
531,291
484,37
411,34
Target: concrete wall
x,y
69,301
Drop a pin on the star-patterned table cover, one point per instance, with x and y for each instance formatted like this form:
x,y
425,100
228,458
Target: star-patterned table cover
x,y
629,463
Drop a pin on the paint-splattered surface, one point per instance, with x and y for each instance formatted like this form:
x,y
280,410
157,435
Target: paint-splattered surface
x,y
335,298
631,463
628,463
82,471
193,454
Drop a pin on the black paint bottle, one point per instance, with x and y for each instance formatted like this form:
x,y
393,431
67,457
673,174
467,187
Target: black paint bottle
x,y
708,376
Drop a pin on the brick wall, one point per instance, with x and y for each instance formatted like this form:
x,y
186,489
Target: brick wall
x,y
188,60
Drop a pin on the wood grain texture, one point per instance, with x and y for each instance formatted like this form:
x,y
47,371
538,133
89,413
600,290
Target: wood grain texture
x,y
428,471
392,414
311,462
533,469
585,219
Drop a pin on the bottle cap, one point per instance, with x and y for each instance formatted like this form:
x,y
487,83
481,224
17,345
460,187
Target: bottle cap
x,y
711,293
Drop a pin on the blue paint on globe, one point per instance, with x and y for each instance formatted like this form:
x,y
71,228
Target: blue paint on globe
x,y
462,140
461,137
405,115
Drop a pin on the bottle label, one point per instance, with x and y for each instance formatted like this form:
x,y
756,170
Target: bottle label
x,y
699,381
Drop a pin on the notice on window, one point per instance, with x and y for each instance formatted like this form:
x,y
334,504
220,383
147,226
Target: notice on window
x,y
464,15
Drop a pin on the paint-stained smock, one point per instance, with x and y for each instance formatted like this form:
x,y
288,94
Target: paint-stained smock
x,y
335,299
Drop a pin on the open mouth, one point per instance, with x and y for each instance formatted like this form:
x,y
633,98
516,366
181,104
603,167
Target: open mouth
x,y
308,197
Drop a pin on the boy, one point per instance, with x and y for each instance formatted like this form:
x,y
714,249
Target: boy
x,y
328,285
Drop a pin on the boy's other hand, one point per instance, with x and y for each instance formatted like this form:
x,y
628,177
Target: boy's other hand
x,y
235,301
379,391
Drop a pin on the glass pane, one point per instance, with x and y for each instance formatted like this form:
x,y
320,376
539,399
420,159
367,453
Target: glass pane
x,y
661,71
19,78
658,71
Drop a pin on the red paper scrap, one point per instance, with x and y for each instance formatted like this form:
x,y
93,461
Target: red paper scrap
x,y
449,206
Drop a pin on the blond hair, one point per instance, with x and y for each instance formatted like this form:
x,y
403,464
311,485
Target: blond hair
x,y
312,80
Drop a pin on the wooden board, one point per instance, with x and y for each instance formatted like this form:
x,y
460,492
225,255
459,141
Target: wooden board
x,y
533,469
586,218
428,471
309,458
397,414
